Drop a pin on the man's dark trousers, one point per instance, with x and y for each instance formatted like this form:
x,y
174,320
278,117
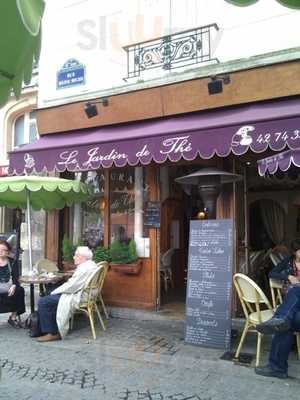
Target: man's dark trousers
x,y
47,313
290,305
282,342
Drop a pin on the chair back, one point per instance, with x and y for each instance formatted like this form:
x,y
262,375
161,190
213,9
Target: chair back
x,y
45,265
276,288
256,258
94,285
275,258
282,256
250,294
166,258
104,265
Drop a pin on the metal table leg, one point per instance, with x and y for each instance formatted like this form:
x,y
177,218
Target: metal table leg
x,y
32,297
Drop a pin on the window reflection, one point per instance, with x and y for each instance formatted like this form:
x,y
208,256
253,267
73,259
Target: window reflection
x,y
122,205
93,210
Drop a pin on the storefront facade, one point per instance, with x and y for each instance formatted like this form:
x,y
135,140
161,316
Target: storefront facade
x,y
135,148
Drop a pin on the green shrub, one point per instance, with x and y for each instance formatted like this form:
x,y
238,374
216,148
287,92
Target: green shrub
x,y
132,253
68,249
123,253
101,254
119,252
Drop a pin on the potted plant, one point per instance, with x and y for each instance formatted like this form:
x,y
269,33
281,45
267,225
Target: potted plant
x,y
124,258
101,254
68,250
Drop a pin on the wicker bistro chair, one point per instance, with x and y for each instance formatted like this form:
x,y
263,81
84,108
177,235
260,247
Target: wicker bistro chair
x,y
165,268
91,294
275,258
276,294
105,267
252,299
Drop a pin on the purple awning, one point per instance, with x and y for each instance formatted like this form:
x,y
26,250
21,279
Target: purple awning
x,y
274,125
281,161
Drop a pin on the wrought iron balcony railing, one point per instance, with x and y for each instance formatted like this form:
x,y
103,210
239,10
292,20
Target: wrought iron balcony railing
x,y
180,49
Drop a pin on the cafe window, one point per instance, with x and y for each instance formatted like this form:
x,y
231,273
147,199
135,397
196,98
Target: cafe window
x,y
122,199
25,129
88,218
128,194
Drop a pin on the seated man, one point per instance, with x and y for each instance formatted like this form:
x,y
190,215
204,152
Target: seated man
x,y
286,319
56,309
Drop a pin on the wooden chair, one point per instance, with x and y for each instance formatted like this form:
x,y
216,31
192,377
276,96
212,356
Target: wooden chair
x,y
91,294
252,299
276,294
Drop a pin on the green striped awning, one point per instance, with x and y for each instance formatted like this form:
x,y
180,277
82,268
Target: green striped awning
x,y
20,39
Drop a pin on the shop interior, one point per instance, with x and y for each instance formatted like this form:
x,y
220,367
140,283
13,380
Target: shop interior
x,y
264,229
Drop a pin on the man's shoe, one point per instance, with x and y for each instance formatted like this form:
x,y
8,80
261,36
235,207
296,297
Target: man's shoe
x,y
271,373
273,325
48,338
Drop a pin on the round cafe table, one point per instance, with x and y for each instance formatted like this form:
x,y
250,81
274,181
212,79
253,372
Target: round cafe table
x,y
41,280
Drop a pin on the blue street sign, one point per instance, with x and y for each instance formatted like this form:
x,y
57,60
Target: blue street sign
x,y
71,74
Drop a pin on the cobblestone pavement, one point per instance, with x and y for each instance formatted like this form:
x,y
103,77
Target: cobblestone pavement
x,y
131,360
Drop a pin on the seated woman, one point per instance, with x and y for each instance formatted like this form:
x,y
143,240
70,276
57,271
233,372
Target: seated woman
x,y
11,293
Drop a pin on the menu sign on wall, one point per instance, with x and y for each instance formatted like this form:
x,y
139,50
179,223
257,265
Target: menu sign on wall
x,y
152,214
208,302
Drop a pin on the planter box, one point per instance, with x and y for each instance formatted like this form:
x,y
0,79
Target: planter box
x,y
127,269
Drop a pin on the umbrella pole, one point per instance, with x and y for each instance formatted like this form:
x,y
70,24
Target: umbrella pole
x,y
29,248
29,229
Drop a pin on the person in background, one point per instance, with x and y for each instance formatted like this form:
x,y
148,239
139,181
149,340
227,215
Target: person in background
x,y
286,319
11,293
55,310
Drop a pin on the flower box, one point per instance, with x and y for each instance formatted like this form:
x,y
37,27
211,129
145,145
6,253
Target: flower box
x,y
127,269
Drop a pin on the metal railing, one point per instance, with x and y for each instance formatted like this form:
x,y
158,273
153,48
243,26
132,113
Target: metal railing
x,y
180,49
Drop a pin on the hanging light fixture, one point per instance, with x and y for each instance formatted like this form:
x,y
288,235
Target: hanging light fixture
x,y
102,204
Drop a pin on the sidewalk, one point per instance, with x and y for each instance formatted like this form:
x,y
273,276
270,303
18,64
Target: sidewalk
x,y
131,360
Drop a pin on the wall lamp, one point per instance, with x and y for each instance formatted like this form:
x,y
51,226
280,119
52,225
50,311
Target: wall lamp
x,y
90,108
215,86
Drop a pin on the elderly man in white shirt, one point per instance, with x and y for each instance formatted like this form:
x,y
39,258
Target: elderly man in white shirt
x,y
56,309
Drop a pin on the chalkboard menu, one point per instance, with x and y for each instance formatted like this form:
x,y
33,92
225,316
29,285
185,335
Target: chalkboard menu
x,y
152,214
208,299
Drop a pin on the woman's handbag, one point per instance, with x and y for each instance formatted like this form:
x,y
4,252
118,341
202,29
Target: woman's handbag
x,y
33,324
4,287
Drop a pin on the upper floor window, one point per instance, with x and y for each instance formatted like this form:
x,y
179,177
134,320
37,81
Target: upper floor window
x,y
25,129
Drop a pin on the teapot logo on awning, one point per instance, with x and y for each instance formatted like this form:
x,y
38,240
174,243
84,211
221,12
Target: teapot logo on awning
x,y
242,137
29,161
